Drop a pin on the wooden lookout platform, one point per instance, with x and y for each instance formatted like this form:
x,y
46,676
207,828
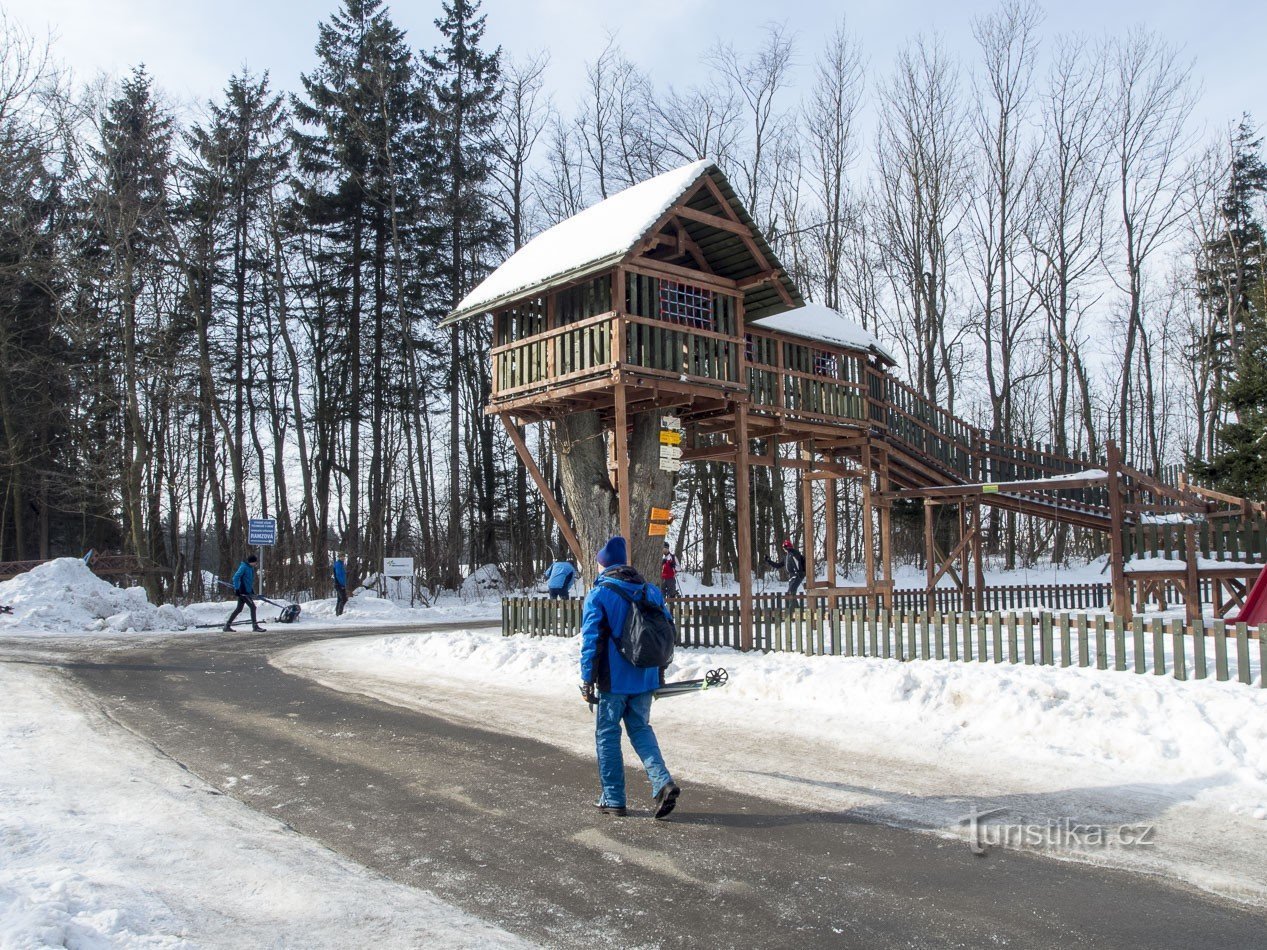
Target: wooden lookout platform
x,y
667,298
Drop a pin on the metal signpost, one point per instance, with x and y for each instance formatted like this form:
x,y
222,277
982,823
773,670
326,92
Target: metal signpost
x,y
261,533
398,567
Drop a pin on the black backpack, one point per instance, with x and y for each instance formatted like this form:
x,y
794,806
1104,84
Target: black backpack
x,y
647,639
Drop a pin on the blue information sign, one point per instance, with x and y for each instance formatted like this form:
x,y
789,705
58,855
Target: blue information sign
x,y
261,531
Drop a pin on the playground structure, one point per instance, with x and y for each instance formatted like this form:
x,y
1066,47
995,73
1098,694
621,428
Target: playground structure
x,y
667,299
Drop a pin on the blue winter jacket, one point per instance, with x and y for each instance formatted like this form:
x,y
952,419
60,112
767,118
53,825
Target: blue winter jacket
x,y
603,617
340,573
560,576
244,579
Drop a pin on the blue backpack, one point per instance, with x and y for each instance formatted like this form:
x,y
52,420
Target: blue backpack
x,y
647,638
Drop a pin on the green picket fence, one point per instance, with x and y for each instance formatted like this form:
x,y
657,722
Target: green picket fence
x,y
1216,650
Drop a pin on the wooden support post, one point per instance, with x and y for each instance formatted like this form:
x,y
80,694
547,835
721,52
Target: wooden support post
x,y
829,525
977,569
868,527
552,503
965,541
930,554
1117,566
620,438
1192,576
743,526
886,530
807,516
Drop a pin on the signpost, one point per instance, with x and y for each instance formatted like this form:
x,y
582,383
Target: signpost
x,y
660,520
398,567
670,444
261,533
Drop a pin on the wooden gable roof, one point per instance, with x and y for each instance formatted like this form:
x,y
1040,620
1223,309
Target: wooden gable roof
x,y
688,218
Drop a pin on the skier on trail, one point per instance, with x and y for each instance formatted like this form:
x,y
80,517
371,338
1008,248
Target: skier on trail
x,y
624,691
668,573
559,579
793,563
340,573
244,587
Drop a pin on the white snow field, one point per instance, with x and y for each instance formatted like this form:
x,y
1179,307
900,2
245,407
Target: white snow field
x,y
918,743
106,843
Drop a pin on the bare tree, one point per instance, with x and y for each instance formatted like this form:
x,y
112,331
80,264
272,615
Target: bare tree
x,y
921,191
830,120
1151,97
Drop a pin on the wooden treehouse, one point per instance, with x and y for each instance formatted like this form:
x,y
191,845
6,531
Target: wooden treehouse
x,y
666,298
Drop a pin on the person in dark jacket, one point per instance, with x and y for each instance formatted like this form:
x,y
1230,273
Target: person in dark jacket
x,y
340,572
793,562
668,572
624,691
559,579
244,587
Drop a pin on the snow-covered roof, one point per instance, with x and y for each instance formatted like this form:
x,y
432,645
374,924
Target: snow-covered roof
x,y
589,241
816,322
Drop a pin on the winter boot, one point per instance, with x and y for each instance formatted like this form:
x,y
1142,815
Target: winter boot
x,y
258,629
228,628
666,800
618,810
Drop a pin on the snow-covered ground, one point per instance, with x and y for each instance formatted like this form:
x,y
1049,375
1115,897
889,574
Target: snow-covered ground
x,y
64,598
106,843
918,743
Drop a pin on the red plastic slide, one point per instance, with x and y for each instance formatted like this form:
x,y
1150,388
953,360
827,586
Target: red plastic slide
x,y
1255,609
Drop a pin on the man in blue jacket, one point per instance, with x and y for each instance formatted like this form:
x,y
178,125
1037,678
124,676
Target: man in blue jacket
x,y
624,691
244,587
559,579
340,572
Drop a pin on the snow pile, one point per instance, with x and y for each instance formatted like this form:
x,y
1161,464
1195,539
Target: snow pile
x,y
486,580
364,605
64,596
116,846
584,242
816,322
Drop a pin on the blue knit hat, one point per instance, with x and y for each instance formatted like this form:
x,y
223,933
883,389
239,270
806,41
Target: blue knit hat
x,y
613,553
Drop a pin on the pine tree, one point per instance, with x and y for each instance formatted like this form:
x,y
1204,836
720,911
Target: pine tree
x,y
362,158
464,82
1233,283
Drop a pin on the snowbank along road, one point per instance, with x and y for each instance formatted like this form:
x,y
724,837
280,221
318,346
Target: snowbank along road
x,y
501,826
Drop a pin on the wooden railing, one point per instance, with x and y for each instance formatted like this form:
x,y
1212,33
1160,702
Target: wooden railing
x,y
554,357
805,381
1217,650
675,351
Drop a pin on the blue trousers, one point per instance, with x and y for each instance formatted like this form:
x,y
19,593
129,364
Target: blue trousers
x,y
635,712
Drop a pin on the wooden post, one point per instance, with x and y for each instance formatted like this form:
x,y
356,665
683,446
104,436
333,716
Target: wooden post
x,y
1192,576
1117,566
552,503
929,554
965,585
868,527
829,524
807,513
743,527
886,530
977,569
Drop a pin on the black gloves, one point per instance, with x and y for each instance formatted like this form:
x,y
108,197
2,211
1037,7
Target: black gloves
x,y
589,693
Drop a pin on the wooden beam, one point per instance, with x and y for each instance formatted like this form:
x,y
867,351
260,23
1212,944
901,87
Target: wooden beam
x,y
552,503
756,280
929,556
712,220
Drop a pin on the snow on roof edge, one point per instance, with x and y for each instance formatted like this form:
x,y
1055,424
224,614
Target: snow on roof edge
x,y
821,323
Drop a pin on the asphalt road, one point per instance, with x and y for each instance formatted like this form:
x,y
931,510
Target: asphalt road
x,y
503,827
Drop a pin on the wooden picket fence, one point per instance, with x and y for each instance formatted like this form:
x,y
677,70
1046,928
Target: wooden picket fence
x,y
1161,647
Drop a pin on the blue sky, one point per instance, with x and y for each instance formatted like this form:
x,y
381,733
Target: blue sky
x,y
191,47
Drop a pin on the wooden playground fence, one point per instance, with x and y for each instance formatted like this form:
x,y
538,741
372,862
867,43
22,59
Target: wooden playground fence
x,y
1160,647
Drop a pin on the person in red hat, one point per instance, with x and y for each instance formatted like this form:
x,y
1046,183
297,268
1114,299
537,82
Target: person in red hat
x,y
793,563
668,572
